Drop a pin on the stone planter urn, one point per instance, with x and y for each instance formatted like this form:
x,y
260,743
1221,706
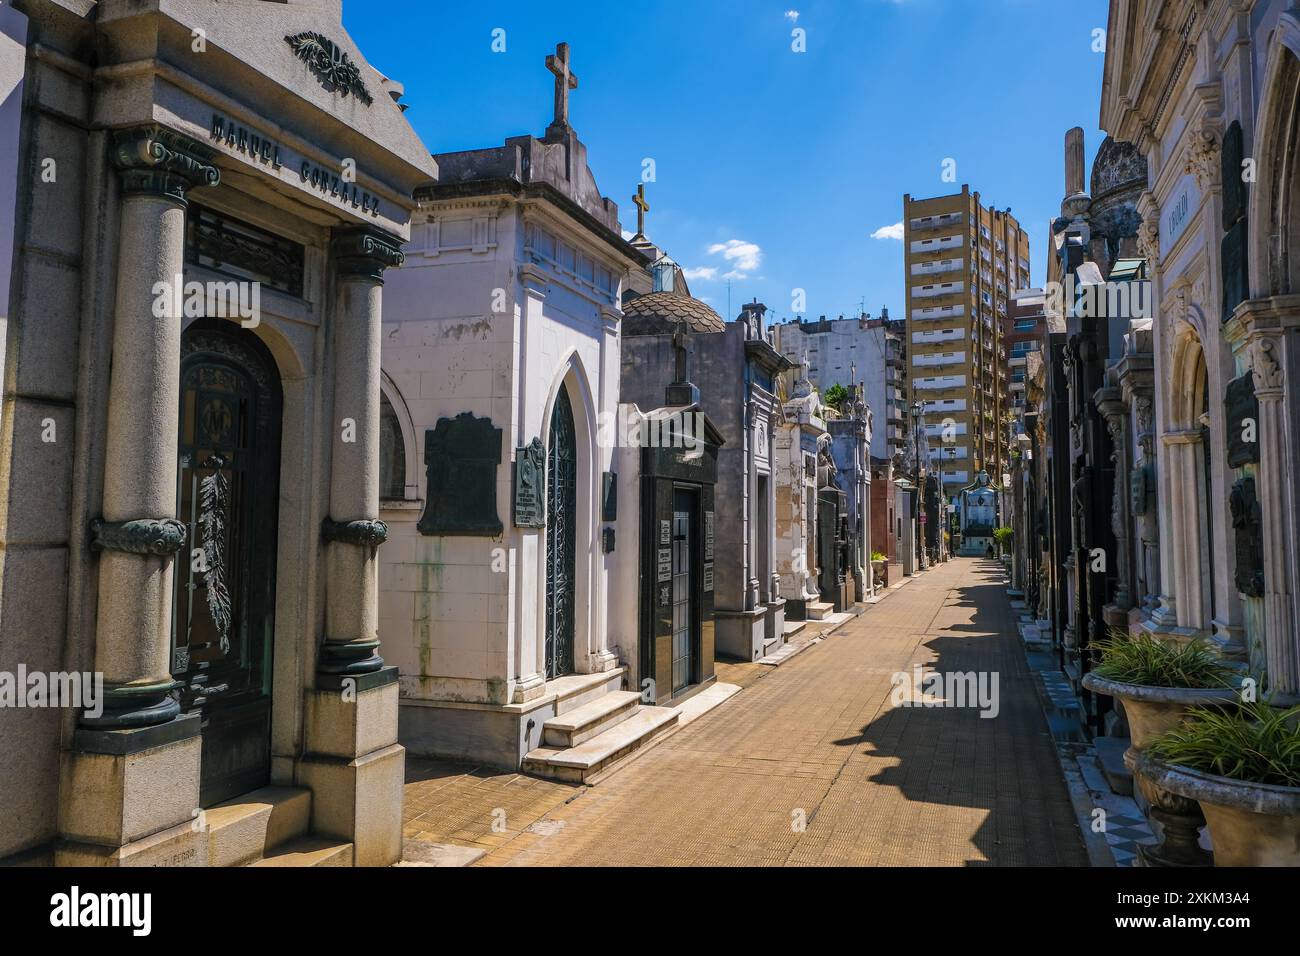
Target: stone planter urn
x,y
1151,711
1251,824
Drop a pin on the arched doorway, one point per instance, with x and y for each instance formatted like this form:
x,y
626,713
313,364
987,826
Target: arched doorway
x,y
561,520
224,586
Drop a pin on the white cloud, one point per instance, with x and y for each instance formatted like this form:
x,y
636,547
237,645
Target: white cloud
x,y
703,272
743,257
890,232
792,16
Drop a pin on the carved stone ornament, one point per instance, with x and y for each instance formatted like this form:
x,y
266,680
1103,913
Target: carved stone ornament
x,y
1202,157
1266,364
1148,239
366,252
154,160
157,536
332,66
368,532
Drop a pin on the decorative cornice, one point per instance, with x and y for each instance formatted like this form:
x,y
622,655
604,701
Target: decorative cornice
x,y
332,66
157,536
368,532
157,161
365,252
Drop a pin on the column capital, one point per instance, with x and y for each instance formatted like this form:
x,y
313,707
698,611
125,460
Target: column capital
x,y
1267,365
365,252
156,161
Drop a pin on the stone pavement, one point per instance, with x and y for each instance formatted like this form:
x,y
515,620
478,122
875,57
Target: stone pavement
x,y
809,765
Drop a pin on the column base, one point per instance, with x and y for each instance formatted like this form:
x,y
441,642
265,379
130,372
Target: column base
x,y
354,766
182,845
120,786
528,688
600,661
359,800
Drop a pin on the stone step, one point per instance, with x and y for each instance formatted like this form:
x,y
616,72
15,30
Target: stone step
x,y
582,763
583,723
249,827
820,610
574,690
308,851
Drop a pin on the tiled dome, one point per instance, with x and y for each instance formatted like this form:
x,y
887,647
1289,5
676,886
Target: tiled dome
x,y
659,313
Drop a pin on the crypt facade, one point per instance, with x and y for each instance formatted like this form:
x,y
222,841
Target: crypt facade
x,y
189,467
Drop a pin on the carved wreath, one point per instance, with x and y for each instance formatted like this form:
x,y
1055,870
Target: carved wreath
x,y
330,64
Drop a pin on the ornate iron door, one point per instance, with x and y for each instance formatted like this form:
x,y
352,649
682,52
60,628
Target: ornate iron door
x,y
224,580
561,511
685,611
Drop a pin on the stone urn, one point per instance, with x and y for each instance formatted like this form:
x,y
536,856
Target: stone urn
x,y
878,572
1151,711
1251,824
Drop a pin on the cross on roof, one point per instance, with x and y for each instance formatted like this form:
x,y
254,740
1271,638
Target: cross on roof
x,y
564,81
642,207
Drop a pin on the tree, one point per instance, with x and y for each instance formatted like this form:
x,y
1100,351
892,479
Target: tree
x,y
837,396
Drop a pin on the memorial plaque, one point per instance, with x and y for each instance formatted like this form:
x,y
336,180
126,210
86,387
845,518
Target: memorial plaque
x,y
665,532
663,596
708,536
1246,524
1232,176
461,456
665,565
708,576
609,497
530,485
1236,275
1241,424
1139,490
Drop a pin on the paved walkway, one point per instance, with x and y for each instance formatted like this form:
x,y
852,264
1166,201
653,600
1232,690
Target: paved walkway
x,y
810,765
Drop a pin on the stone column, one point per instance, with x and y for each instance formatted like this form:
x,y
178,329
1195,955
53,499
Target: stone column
x,y
130,778
353,763
1276,462
1111,405
138,534
353,531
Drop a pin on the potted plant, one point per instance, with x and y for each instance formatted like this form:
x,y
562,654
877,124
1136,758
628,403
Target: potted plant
x,y
878,570
1243,768
1158,682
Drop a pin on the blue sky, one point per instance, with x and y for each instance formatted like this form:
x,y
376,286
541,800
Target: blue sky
x,y
773,167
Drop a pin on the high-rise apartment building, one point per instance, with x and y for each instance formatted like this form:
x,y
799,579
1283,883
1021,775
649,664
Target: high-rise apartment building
x,y
963,263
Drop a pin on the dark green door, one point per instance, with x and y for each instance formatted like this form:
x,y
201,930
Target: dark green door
x,y
224,602
561,512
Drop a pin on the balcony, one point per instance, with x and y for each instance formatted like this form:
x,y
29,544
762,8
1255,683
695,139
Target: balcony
x,y
938,312
936,267
938,358
937,245
938,335
938,289
935,222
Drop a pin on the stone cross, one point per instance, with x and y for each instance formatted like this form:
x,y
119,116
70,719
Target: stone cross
x,y
679,346
642,207
564,81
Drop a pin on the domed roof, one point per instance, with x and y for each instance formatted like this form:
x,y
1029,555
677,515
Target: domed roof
x,y
1117,164
659,313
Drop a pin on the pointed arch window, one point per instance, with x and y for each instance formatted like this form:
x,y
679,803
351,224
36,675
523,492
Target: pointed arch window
x,y
392,452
